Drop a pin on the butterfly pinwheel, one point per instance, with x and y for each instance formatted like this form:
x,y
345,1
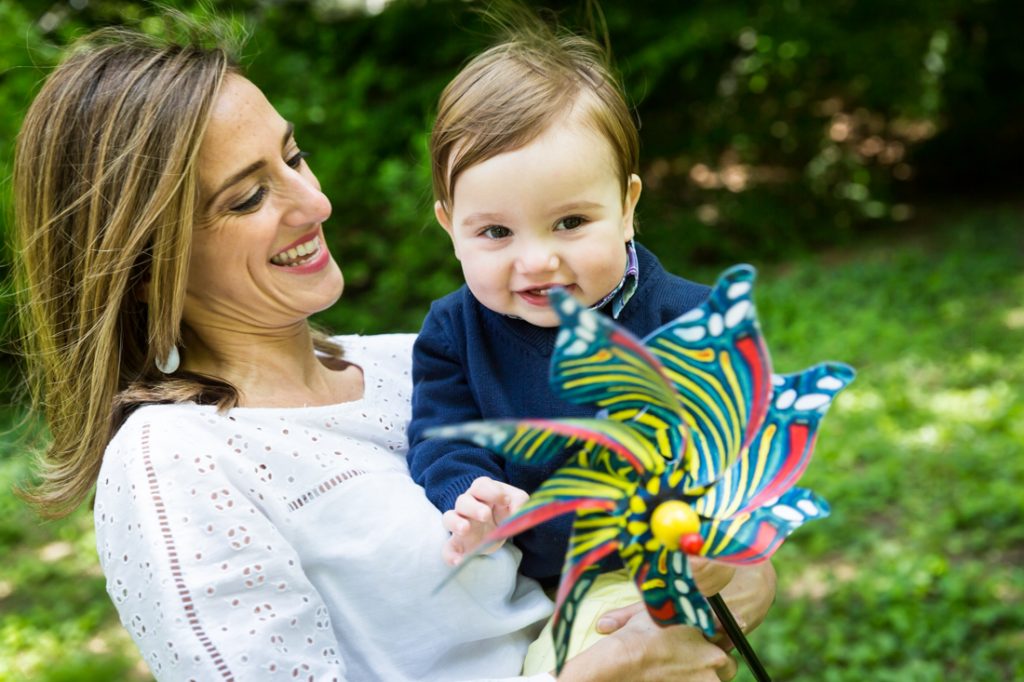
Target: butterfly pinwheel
x,y
695,450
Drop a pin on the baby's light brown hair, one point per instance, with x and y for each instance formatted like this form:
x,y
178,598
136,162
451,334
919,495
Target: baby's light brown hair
x,y
509,94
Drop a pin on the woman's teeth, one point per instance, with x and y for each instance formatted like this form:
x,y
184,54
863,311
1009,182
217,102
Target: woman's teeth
x,y
303,253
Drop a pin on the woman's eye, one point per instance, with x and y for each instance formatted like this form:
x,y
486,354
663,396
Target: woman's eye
x,y
296,160
254,200
496,232
570,223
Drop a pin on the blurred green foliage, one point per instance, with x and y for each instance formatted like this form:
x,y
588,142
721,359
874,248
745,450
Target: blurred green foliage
x,y
812,139
769,127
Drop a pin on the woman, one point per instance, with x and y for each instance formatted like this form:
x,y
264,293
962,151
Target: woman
x,y
254,515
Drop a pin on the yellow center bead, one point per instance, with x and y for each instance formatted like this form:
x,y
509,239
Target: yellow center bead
x,y
672,520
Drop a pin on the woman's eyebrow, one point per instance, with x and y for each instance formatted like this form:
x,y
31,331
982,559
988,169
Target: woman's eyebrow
x,y
251,168
240,175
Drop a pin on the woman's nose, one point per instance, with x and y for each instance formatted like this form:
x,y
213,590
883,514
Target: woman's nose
x,y
306,204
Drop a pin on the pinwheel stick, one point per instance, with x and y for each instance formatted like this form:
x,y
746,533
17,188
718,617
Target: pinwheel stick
x,y
738,638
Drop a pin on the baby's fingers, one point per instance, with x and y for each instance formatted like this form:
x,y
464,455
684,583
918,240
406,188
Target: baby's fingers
x,y
490,492
452,552
517,498
472,509
455,523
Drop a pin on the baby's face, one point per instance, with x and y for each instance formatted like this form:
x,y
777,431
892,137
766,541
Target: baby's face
x,y
547,214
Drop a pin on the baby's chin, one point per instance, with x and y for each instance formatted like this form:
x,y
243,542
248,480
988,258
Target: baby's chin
x,y
547,323
532,314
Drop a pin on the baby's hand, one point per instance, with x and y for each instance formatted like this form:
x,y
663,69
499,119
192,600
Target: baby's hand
x,y
711,576
478,511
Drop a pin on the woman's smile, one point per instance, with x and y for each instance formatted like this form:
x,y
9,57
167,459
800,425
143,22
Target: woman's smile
x,y
307,254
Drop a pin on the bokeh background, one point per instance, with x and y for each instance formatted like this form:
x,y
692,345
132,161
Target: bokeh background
x,y
865,155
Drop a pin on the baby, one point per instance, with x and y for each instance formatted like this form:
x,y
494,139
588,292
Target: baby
x,y
535,159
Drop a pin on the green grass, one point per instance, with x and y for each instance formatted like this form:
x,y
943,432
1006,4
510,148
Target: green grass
x,y
915,576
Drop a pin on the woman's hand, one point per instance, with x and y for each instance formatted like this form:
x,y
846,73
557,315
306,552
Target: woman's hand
x,y
748,595
641,650
711,576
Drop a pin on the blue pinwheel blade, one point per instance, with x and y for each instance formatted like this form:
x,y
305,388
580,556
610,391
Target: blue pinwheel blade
x,y
586,485
541,440
752,537
518,441
783,446
595,535
716,358
598,363
670,593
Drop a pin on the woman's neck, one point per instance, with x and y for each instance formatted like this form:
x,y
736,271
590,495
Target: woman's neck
x,y
271,369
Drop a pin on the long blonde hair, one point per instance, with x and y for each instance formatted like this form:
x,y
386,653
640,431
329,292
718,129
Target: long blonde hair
x,y
105,199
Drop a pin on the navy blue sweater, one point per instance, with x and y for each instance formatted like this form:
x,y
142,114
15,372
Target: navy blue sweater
x,y
471,363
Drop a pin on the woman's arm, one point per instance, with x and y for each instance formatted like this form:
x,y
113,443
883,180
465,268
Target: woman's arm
x,y
204,583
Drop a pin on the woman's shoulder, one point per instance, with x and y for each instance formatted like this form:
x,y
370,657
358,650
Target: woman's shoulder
x,y
163,417
386,362
190,417
380,353
152,429
160,455
395,345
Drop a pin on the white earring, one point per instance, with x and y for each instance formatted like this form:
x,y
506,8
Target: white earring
x,y
169,365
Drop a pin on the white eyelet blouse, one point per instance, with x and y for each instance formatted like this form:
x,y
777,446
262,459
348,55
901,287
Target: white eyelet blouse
x,y
292,544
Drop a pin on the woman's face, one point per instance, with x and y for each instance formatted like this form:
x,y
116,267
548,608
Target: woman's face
x,y
259,260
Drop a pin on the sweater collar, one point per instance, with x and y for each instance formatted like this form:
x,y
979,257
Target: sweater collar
x,y
620,295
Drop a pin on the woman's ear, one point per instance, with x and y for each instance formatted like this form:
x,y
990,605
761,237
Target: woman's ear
x,y
633,190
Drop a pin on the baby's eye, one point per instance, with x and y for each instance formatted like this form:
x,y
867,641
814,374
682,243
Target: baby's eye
x,y
570,222
296,159
254,200
496,232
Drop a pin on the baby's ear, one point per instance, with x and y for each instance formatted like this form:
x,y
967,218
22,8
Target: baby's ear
x,y
632,197
442,217
446,222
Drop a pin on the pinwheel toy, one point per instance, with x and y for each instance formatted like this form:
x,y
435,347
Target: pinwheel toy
x,y
694,450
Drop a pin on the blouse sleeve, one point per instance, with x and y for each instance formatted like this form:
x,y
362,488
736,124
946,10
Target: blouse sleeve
x,y
203,581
